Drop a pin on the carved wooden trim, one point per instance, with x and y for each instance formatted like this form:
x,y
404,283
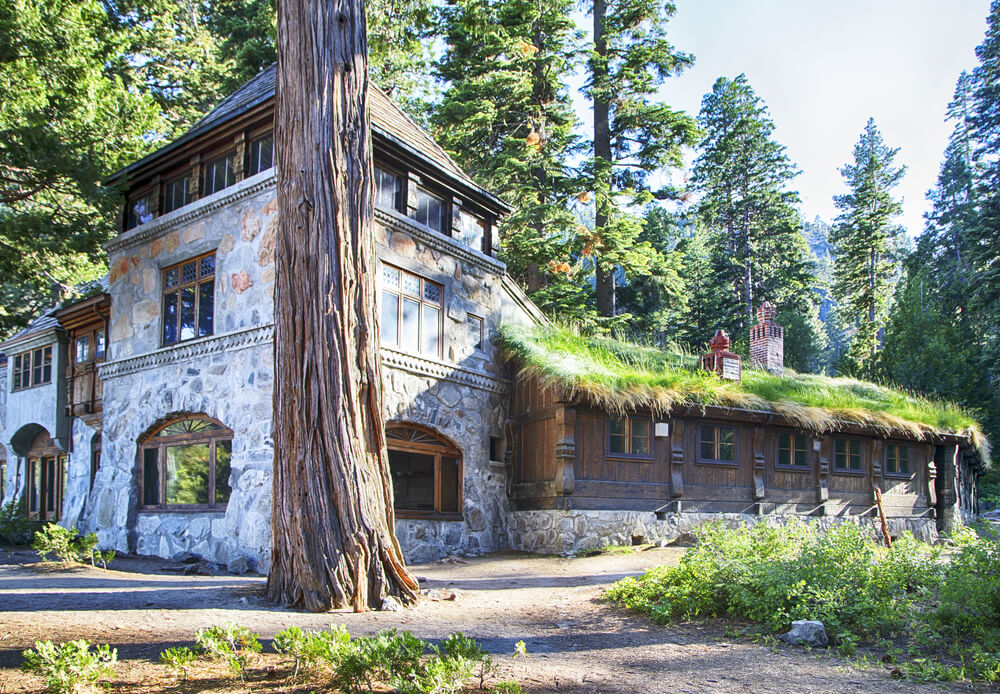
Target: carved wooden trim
x,y
566,450
759,464
677,458
931,477
823,466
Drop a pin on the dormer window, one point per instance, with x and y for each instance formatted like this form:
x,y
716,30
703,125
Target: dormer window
x,y
175,194
261,154
139,211
471,230
219,173
388,189
429,210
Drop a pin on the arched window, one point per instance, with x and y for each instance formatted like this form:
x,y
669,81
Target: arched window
x,y
426,473
46,468
185,464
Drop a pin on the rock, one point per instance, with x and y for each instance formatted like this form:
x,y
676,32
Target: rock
x,y
238,566
684,540
241,281
439,595
807,632
391,604
185,558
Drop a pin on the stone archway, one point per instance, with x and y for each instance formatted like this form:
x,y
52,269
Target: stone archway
x,y
45,466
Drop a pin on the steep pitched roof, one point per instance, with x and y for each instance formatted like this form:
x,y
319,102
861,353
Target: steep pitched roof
x,y
388,120
46,321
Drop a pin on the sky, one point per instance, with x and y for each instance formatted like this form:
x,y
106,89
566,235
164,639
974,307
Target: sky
x,y
824,68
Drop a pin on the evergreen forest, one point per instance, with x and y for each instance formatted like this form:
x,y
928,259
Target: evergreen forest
x,y
631,217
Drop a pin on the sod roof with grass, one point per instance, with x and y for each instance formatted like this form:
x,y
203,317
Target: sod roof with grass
x,y
621,377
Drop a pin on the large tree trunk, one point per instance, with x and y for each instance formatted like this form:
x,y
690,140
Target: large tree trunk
x,y
333,542
605,274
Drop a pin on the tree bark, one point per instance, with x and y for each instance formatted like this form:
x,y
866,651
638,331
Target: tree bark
x,y
332,516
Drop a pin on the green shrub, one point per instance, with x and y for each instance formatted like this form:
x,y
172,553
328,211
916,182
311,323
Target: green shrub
x,y
71,667
234,644
15,528
179,659
68,547
949,605
88,552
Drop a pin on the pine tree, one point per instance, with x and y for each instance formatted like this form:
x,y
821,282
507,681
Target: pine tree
x,y
864,241
507,118
633,134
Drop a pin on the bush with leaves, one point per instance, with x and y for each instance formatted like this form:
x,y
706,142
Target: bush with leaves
x,y
15,528
179,659
68,547
71,667
233,644
310,649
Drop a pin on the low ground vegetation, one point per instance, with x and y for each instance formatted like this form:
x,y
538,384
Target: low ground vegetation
x,y
69,547
933,611
330,660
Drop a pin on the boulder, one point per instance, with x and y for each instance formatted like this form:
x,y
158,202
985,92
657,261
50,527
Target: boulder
x,y
238,566
391,604
806,632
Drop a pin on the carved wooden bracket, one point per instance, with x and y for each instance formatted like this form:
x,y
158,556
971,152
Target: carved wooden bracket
x,y
822,487
759,465
931,478
565,451
677,459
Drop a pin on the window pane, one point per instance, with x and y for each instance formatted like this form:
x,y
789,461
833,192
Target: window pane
x,y
388,189
616,435
390,277
188,273
430,210
175,194
708,443
432,293
139,211
223,454
472,230
727,443
411,284
36,361
206,266
449,485
170,278
475,328
410,334
34,484
412,480
206,308
640,437
261,154
170,319
101,345
50,486
187,474
904,459
46,365
82,349
432,338
187,313
390,318
801,457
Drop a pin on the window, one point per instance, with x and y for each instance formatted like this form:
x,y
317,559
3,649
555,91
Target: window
x,y
793,450
261,154
897,459
411,312
847,454
388,189
430,210
46,486
471,231
189,299
32,368
426,472
95,457
100,345
138,210
628,436
475,328
90,346
186,463
717,444
175,194
82,349
219,174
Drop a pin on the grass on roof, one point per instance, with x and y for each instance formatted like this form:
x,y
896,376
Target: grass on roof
x,y
621,376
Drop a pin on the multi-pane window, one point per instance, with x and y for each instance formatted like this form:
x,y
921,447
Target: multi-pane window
x,y
82,349
430,210
793,450
175,194
628,435
100,344
33,368
847,454
46,487
897,459
90,346
474,324
471,231
187,463
426,472
388,189
189,299
219,173
261,154
139,210
717,443
411,311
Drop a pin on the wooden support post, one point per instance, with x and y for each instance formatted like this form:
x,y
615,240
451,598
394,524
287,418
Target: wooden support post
x,y
677,458
759,465
882,518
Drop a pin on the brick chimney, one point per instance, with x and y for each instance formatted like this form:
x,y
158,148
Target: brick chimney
x,y
721,361
767,341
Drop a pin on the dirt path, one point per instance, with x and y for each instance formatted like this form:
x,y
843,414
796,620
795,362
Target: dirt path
x,y
575,642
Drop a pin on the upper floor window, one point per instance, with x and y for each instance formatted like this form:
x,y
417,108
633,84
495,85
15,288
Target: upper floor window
x,y
83,349
897,459
475,328
32,368
471,231
90,346
261,154
189,299
411,311
187,463
430,209
175,194
219,173
628,436
139,210
388,189
793,450
717,444
847,455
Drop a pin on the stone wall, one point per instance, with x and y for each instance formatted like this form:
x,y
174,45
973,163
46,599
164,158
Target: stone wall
x,y
574,531
77,490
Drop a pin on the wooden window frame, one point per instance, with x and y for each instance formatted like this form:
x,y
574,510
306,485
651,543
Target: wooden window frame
x,y
400,294
717,438
481,344
176,290
446,204
400,205
629,421
211,158
184,177
42,463
160,443
795,437
149,191
486,229
862,445
252,139
23,368
909,460
440,449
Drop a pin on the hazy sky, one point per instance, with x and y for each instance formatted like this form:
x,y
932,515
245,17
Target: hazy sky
x,y
824,68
